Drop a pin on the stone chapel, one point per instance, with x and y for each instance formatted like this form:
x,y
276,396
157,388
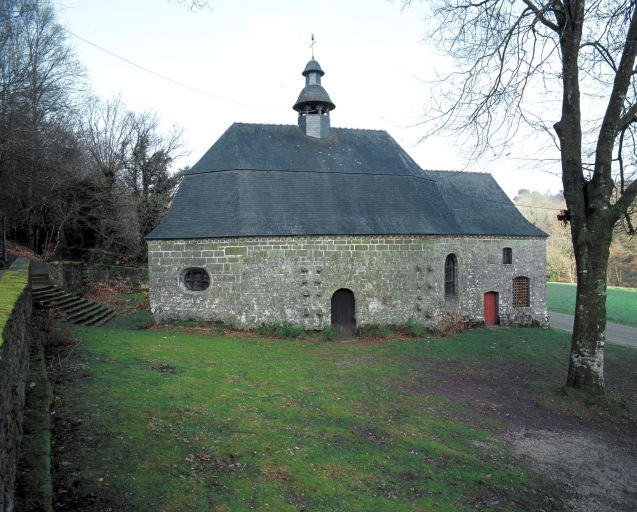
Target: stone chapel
x,y
317,226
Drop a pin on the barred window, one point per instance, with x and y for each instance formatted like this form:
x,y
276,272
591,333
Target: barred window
x,y
196,279
521,292
507,256
451,274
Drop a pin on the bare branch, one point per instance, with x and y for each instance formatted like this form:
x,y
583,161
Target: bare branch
x,y
627,198
603,52
627,118
540,13
193,5
620,159
609,128
631,229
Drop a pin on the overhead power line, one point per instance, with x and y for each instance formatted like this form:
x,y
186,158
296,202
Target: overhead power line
x,y
180,84
539,207
199,91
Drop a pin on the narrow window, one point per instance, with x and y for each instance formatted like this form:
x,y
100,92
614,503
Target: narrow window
x,y
451,274
507,256
196,279
521,292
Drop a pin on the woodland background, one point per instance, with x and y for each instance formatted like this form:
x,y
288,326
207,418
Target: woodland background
x,y
77,172
542,209
84,177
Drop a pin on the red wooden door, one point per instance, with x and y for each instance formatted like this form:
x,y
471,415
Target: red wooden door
x,y
490,308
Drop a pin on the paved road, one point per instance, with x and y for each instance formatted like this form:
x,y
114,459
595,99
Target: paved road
x,y
614,332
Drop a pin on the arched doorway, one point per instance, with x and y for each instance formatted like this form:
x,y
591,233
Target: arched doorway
x,y
490,308
344,313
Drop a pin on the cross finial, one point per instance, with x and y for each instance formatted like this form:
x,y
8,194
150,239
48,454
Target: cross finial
x,y
312,46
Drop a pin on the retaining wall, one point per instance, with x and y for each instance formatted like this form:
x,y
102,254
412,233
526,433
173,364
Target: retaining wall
x,y
15,318
74,276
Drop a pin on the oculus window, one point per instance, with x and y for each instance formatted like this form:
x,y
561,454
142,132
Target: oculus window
x,y
196,279
521,292
451,275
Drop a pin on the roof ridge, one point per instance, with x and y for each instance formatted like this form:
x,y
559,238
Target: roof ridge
x,y
451,171
360,129
264,124
295,125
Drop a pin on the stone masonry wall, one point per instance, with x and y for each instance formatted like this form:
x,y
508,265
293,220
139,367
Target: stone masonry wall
x,y
271,280
15,319
74,276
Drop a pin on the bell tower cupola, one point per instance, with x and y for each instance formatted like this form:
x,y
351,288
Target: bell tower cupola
x,y
314,104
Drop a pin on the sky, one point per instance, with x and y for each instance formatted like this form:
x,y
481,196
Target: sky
x,y
248,55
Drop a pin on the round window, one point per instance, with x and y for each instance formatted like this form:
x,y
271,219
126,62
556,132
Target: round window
x,y
196,279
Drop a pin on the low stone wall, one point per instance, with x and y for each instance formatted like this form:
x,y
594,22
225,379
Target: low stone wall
x,y
15,318
74,276
269,280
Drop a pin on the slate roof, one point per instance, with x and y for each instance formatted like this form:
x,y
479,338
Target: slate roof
x,y
311,95
272,180
312,65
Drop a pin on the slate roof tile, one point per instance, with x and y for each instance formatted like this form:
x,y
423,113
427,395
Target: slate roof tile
x,y
272,180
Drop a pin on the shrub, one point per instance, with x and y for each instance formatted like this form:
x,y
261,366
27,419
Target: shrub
x,y
413,328
108,292
376,330
194,324
330,334
285,330
410,328
452,323
48,322
289,331
265,330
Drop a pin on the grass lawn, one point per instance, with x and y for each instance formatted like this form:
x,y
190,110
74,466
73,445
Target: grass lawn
x,y
187,420
621,303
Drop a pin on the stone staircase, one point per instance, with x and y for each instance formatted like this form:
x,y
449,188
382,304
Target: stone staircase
x,y
76,309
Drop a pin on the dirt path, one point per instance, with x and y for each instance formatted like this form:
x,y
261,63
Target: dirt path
x,y
590,450
600,473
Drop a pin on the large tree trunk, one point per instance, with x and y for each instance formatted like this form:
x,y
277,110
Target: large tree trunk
x,y
593,212
587,203
586,363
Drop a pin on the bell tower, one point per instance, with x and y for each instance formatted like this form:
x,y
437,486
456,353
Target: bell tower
x,y
314,104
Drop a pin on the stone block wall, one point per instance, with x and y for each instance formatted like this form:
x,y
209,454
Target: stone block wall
x,y
74,276
269,280
15,319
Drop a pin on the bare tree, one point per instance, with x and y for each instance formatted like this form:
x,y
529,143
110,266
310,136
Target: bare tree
x,y
193,5
564,70
131,160
73,177
39,80
106,127
147,157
